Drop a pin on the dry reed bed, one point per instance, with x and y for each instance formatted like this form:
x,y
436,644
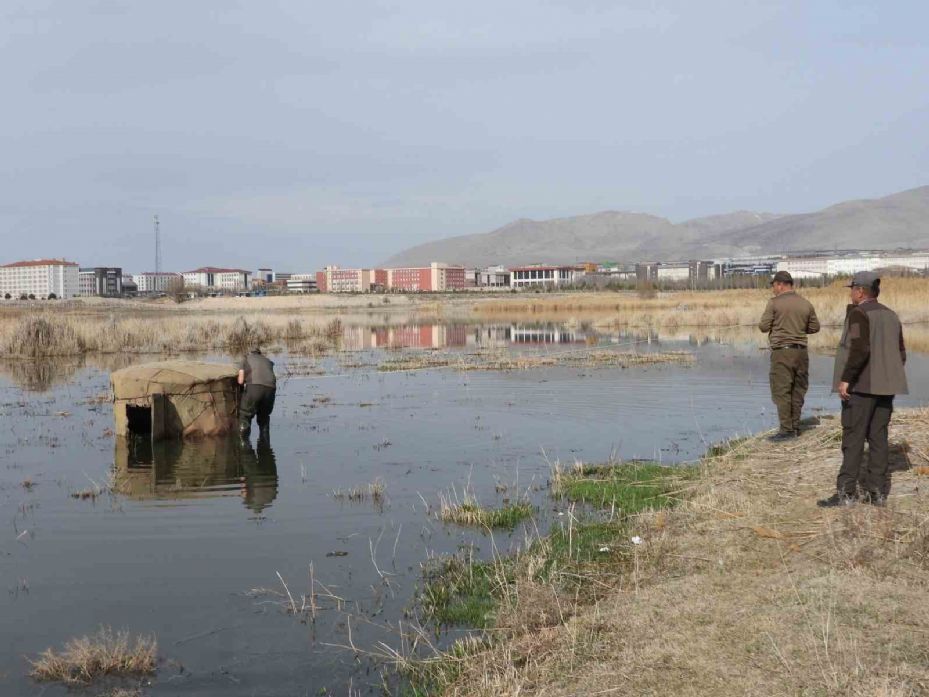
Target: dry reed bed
x,y
722,308
46,334
504,360
745,587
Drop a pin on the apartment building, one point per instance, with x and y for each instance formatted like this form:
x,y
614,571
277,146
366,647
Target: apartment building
x,y
101,281
437,277
40,278
334,279
214,278
161,282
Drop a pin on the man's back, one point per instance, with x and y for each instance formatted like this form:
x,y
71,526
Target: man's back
x,y
788,319
259,370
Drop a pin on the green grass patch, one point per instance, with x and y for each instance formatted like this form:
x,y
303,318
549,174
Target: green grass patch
x,y
471,513
460,591
630,488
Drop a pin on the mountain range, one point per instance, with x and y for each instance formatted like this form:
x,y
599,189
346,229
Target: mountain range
x,y
897,221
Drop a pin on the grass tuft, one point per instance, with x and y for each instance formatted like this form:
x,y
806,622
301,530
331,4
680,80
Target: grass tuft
x,y
105,653
469,512
375,492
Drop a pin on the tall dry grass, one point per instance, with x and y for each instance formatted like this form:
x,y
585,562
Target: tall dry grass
x,y
722,308
47,334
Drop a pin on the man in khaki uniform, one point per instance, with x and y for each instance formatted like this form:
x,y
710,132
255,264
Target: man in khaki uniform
x,y
787,320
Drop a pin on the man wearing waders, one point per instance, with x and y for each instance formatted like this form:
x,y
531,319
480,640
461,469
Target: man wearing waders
x,y
256,375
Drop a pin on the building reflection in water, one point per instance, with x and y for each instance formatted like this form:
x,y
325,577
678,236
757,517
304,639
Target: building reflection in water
x,y
437,336
191,469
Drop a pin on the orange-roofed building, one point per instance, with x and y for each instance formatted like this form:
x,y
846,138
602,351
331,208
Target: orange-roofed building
x,y
40,278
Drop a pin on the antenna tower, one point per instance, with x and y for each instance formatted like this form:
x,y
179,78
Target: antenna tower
x,y
157,246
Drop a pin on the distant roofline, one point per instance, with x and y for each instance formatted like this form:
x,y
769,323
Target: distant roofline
x,y
216,269
40,262
546,267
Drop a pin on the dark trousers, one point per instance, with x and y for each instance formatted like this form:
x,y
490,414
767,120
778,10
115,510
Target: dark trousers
x,y
865,417
257,401
790,379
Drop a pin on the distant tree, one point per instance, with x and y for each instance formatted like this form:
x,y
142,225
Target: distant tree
x,y
23,297
52,296
32,296
8,296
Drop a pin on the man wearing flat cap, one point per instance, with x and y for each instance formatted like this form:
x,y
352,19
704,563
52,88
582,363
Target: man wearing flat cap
x,y
869,372
787,320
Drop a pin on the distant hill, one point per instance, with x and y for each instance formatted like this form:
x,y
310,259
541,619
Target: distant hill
x,y
899,220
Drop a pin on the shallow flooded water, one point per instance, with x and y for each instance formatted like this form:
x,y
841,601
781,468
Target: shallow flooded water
x,y
193,542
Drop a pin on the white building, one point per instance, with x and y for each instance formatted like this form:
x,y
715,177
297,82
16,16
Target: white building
x,y
849,264
161,282
218,279
522,276
40,278
301,283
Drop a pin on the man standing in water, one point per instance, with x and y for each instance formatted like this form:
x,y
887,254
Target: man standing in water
x,y
256,375
869,371
787,320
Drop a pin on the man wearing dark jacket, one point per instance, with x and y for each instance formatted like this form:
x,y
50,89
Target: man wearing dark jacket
x,y
256,375
869,371
787,320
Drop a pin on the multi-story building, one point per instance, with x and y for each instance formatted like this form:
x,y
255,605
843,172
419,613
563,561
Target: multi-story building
x,y
437,277
848,263
522,276
301,283
493,277
104,281
334,279
41,278
214,278
161,282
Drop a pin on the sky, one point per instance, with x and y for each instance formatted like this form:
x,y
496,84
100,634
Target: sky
x,y
298,134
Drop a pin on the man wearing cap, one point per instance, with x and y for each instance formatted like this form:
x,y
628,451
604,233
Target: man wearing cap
x,y
869,371
787,320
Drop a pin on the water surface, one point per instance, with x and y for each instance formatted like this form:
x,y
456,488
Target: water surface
x,y
189,545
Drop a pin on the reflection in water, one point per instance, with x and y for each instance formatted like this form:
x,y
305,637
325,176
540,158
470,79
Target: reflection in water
x,y
434,336
187,469
259,474
42,375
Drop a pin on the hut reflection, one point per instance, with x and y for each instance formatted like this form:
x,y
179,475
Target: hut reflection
x,y
191,469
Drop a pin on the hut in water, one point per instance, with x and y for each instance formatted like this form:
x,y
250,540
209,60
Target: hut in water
x,y
175,399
